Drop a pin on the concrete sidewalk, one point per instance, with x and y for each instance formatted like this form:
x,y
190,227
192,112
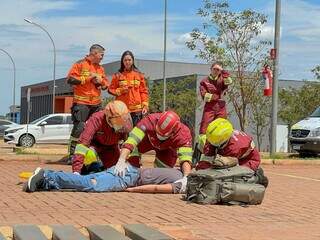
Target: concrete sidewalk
x,y
290,211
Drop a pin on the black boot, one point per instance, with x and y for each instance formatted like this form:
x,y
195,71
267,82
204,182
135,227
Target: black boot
x,y
196,155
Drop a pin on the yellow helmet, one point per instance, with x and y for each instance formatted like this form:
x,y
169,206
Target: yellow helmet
x,y
219,131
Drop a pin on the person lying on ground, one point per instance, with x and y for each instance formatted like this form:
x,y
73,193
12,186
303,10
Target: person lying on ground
x,y
148,180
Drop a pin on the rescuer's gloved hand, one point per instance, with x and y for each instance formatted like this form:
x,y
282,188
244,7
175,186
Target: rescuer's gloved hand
x,y
121,167
183,182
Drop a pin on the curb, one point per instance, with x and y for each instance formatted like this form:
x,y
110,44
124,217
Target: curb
x,y
290,162
93,232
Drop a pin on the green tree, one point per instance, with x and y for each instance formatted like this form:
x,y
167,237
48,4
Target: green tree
x,y
316,72
260,116
232,38
297,104
181,96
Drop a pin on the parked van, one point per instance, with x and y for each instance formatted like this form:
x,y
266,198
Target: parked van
x,y
305,135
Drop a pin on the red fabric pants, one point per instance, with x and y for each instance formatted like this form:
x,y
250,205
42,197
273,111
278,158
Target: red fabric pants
x,y
251,161
210,113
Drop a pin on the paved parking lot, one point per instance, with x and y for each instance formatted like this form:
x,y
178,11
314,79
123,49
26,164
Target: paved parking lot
x,y
291,208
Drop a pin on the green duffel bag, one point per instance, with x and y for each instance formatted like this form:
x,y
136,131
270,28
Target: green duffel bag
x,y
235,185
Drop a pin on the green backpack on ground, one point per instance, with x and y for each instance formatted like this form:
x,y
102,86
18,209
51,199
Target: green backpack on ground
x,y
235,185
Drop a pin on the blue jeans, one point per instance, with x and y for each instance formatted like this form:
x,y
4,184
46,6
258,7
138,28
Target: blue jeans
x,y
104,181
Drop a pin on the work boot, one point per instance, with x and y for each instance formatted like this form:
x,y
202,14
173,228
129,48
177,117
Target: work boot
x,y
262,179
35,181
196,155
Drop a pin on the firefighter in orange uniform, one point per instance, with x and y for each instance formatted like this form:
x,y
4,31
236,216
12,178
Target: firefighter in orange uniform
x,y
128,85
88,78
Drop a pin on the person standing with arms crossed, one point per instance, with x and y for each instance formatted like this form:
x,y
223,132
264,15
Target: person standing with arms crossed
x,y
128,85
88,78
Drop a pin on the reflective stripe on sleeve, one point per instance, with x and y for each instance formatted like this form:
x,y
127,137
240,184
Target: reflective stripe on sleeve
x,y
81,149
135,136
185,153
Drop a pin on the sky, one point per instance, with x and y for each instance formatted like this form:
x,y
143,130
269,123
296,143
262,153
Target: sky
x,y
135,25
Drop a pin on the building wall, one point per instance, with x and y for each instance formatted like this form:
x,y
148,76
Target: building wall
x,y
41,93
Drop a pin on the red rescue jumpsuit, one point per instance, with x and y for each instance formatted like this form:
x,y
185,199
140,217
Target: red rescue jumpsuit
x,y
214,107
240,146
144,138
98,134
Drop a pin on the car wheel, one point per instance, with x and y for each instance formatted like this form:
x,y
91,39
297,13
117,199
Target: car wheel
x,y
307,154
26,140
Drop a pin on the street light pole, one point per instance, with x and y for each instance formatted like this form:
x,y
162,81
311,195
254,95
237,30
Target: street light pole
x,y
14,84
164,55
275,79
54,61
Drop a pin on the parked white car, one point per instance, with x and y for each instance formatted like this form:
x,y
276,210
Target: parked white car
x,y
305,135
52,128
5,124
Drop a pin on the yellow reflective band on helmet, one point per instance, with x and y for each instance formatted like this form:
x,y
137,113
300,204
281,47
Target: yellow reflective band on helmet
x,y
135,136
185,154
81,149
90,157
159,164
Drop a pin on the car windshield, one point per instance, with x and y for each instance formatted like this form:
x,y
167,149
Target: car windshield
x,y
316,113
39,119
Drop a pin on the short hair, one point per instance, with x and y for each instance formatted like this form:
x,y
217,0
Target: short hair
x,y
97,47
216,63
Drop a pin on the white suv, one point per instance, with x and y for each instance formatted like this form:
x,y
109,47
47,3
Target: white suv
x,y
305,135
52,128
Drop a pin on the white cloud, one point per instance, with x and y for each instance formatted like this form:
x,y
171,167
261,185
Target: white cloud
x,y
143,34
182,39
267,33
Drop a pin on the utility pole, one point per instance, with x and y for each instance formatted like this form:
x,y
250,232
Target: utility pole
x,y
164,56
274,119
54,60
14,85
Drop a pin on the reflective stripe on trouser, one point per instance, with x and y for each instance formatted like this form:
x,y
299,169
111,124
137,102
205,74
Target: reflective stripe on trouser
x,y
104,181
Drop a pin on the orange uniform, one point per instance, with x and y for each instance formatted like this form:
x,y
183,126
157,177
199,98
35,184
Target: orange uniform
x,y
82,76
130,87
